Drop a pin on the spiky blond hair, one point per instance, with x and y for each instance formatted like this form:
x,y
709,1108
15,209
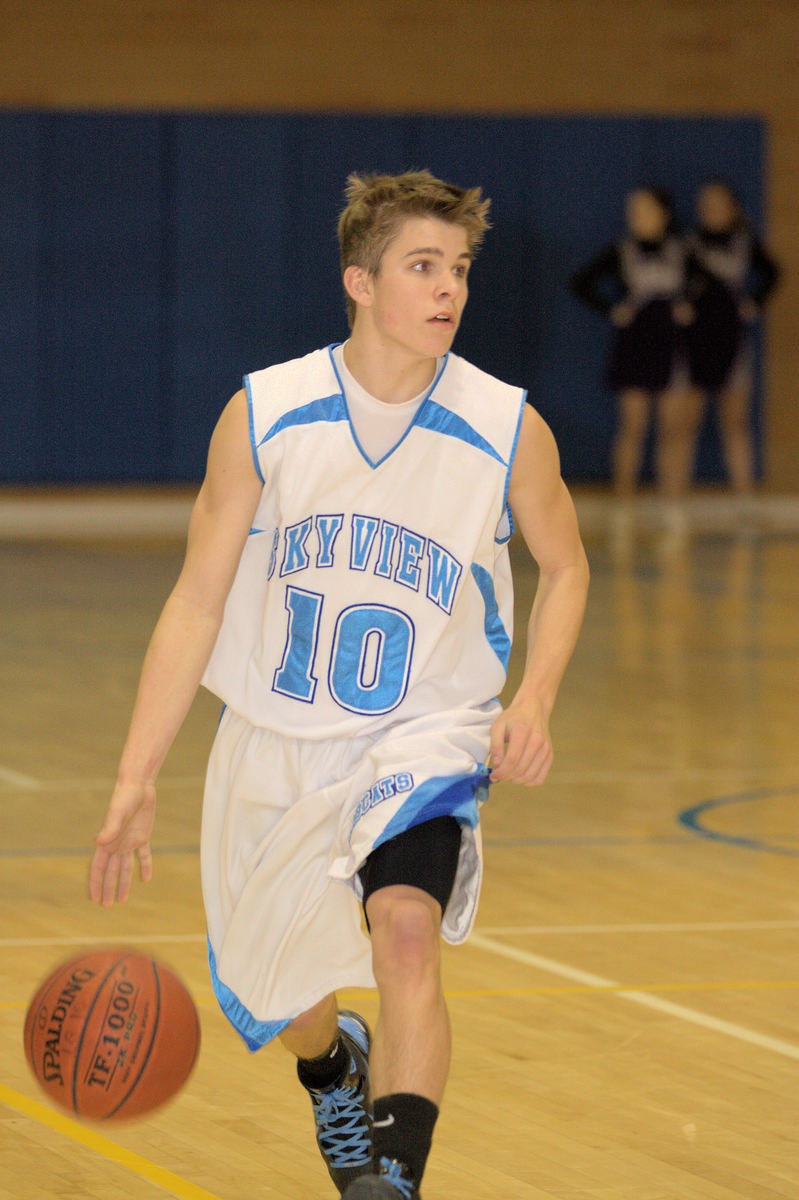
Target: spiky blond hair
x,y
377,205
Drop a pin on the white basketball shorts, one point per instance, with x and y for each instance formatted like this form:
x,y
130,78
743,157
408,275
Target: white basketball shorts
x,y
287,823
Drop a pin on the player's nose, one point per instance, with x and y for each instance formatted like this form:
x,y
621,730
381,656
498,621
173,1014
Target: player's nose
x,y
449,287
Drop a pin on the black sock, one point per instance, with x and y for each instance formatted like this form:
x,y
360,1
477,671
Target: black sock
x,y
329,1068
403,1129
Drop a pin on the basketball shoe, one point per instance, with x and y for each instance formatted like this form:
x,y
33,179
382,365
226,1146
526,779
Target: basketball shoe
x,y
343,1112
392,1182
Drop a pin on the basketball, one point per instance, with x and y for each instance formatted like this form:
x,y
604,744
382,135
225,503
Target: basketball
x,y
111,1035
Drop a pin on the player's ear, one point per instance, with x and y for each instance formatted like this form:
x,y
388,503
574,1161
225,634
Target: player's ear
x,y
358,285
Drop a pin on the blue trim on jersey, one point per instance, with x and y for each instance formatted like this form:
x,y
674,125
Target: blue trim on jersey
x,y
414,422
512,456
443,420
327,408
442,796
511,459
495,630
255,1033
251,418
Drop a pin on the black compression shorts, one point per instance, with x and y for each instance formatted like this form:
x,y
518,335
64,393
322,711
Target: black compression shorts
x,y
424,857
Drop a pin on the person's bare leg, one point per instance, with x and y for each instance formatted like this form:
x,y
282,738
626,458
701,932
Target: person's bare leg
x,y
628,446
679,411
736,438
312,1033
411,1048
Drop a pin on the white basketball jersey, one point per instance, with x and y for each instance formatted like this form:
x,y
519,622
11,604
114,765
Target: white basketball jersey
x,y
371,592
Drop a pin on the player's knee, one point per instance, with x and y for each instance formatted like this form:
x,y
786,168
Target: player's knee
x,y
405,935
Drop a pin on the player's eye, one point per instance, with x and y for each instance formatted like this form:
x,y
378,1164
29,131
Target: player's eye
x,y
421,266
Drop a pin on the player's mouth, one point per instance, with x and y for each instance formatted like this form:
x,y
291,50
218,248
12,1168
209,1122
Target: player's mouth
x,y
443,318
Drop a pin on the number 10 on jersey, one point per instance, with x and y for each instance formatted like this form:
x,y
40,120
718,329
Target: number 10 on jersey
x,y
369,661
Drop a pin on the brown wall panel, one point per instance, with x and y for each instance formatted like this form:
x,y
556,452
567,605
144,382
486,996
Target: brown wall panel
x,y
661,56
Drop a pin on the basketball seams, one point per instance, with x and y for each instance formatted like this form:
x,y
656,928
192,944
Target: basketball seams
x,y
197,1039
86,1060
33,1014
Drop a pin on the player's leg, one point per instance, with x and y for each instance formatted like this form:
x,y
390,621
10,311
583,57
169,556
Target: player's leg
x,y
628,447
678,416
332,1051
407,884
736,436
311,1034
412,1037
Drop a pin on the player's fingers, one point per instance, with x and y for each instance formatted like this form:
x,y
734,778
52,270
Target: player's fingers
x,y
96,873
539,767
110,880
145,862
514,751
529,753
125,876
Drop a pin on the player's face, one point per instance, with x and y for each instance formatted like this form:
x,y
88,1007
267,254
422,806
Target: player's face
x,y
419,292
646,217
716,208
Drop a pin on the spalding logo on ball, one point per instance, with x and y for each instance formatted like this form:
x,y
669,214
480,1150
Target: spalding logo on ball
x,y
111,1035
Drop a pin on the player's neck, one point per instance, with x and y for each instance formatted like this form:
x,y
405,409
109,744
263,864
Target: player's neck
x,y
386,370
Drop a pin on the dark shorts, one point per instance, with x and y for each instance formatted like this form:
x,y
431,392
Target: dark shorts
x,y
424,857
645,352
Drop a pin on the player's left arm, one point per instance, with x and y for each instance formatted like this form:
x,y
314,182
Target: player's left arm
x,y
521,748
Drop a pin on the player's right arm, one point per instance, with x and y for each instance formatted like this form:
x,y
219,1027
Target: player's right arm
x,y
179,650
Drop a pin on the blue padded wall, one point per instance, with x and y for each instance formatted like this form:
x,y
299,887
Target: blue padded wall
x,y
150,260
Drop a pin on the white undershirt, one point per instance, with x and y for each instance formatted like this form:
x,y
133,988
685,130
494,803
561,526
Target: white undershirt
x,y
378,425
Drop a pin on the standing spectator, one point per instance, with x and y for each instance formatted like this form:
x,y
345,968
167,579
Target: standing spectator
x,y
732,276
638,283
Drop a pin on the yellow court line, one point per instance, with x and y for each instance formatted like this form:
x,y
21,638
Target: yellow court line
x,y
102,1145
730,985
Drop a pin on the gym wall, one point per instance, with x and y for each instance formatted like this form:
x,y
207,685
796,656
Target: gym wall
x,y
174,73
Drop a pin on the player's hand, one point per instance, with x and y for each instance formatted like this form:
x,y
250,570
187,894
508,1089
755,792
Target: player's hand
x,y
125,835
521,748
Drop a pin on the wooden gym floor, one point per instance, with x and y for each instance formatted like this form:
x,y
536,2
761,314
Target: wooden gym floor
x,y
626,1017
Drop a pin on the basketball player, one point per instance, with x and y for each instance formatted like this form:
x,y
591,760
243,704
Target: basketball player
x,y
346,592
732,277
638,283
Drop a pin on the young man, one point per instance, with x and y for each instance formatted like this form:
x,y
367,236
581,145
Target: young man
x,y
346,592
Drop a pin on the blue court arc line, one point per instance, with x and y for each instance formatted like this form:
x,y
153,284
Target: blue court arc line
x,y
693,819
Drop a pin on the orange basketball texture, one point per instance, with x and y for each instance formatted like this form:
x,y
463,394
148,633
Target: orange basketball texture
x,y
111,1035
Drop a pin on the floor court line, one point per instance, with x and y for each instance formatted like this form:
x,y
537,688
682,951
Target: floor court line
x,y
654,927
726,985
644,999
484,931
12,778
106,940
85,1136
17,779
